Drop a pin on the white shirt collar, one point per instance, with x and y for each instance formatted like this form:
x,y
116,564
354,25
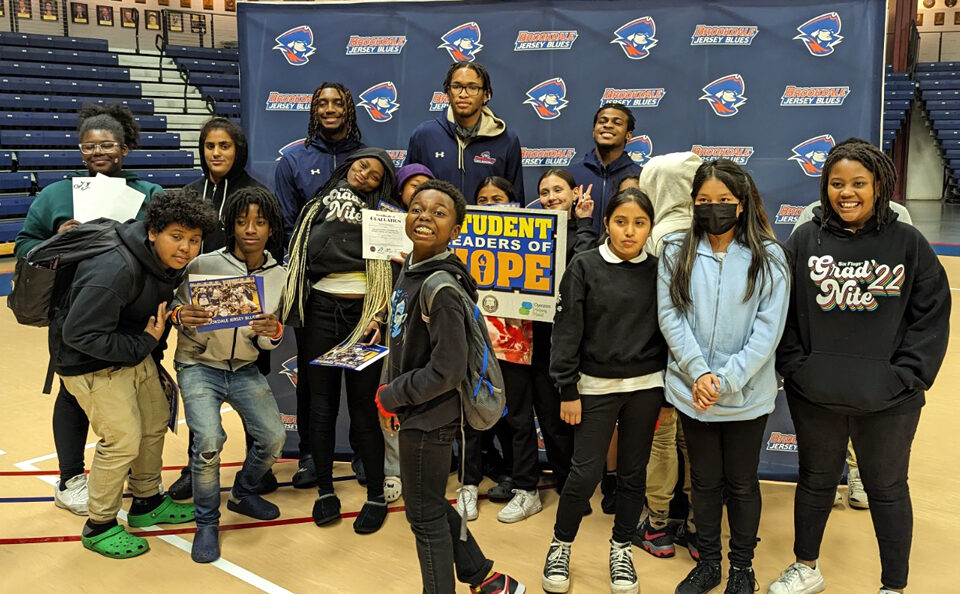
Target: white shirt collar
x,y
612,258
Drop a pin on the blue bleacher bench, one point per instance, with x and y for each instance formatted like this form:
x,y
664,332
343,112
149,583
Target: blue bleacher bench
x,y
18,101
6,160
8,68
25,84
221,93
195,65
57,56
27,119
15,206
53,41
200,53
9,229
168,178
213,79
62,139
228,109
38,159
928,66
14,182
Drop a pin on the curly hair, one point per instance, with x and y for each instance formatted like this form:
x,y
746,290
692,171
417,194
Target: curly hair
x,y
112,117
478,68
184,207
444,187
349,111
237,205
875,161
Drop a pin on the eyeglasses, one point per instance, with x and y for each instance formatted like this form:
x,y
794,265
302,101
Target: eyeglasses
x,y
88,148
472,90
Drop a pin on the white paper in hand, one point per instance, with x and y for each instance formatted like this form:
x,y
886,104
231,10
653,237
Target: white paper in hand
x,y
84,202
384,235
105,197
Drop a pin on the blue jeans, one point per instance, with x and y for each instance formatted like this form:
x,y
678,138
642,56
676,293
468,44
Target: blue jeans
x,y
204,389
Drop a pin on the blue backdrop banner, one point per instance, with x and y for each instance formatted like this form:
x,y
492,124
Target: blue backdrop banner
x,y
770,85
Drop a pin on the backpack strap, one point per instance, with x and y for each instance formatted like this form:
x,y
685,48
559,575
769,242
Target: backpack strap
x,y
431,286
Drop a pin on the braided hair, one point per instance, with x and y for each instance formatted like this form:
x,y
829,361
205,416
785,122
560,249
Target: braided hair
x,y
237,205
115,118
349,111
875,161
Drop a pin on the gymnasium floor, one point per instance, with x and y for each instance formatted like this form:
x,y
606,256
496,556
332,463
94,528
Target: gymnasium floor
x,y
40,552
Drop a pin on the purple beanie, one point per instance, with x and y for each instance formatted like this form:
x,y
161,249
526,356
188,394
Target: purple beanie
x,y
408,171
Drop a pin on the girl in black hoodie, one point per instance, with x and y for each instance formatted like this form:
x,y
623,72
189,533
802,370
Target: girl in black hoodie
x,y
866,333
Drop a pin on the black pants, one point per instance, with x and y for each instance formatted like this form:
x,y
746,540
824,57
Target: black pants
x,y
882,443
329,321
557,435
637,414
70,425
482,455
424,465
723,464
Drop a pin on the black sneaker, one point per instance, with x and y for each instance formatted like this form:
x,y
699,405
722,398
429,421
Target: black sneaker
x,y
702,578
268,483
253,506
623,575
656,541
306,475
608,486
499,583
687,539
556,569
501,493
741,581
182,488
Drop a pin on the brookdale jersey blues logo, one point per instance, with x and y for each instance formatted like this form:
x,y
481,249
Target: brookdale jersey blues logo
x,y
633,98
548,98
640,149
546,157
380,101
360,45
782,442
283,150
398,156
439,101
788,214
820,34
289,369
725,95
738,154
811,154
280,101
724,34
463,42
813,96
532,41
484,158
296,45
637,37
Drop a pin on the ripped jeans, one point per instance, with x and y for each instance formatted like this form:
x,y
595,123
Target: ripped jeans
x,y
204,390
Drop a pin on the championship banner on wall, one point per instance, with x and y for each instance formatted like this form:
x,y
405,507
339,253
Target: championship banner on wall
x,y
511,254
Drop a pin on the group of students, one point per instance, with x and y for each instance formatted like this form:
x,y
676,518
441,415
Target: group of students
x,y
677,307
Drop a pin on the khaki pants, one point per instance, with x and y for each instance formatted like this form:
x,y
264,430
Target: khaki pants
x,y
128,411
662,471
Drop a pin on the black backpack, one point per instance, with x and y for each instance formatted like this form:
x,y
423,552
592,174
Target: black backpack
x,y
42,279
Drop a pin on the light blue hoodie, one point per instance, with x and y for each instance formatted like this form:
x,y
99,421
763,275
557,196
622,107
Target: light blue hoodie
x,y
722,334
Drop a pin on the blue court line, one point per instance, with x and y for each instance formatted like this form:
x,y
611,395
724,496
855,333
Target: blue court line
x,y
5,279
946,249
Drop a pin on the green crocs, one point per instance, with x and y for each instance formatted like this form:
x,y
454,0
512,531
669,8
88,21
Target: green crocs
x,y
168,512
116,543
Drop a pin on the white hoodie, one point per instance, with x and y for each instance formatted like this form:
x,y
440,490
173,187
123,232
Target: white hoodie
x,y
668,181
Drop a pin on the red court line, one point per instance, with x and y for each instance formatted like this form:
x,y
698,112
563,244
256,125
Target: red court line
x,y
57,472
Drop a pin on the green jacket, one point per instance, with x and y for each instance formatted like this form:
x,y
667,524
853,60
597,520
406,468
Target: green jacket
x,y
53,207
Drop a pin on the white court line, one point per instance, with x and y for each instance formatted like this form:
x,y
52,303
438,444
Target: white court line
x,y
2,452
184,545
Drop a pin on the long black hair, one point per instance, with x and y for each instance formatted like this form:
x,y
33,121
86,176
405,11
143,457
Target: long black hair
x,y
875,161
237,206
498,182
115,118
634,195
752,230
349,112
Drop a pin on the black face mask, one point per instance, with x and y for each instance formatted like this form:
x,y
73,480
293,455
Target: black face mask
x,y
715,219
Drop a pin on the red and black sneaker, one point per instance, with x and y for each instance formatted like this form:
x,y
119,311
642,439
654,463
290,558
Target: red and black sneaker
x,y
656,541
688,539
499,583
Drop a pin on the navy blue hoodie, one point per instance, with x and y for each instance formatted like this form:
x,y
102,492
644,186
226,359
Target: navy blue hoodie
x,y
494,151
303,171
605,180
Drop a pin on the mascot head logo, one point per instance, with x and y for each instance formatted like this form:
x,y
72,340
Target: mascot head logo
x,y
289,369
637,37
296,45
725,95
283,150
820,34
811,154
462,42
640,149
380,101
548,98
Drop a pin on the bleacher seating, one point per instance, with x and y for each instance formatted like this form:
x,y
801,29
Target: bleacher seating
x,y
61,139
898,97
53,42
38,120
215,72
60,104
69,87
9,68
15,206
32,159
195,65
59,56
201,53
168,178
939,84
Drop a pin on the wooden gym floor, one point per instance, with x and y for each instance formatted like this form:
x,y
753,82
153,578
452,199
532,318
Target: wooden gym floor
x,y
40,552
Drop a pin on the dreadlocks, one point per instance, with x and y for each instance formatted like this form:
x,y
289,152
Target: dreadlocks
x,y
269,209
875,161
349,111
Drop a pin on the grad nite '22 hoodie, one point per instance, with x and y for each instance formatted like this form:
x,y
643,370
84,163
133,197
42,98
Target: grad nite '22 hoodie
x,y
465,163
869,317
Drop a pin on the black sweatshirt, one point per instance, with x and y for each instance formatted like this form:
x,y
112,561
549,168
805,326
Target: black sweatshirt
x,y
109,309
427,361
869,317
335,242
606,322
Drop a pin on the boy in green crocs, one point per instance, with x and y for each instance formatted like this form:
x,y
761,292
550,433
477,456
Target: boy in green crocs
x,y
113,337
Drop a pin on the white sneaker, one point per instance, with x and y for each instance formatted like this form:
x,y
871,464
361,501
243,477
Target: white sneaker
x,y
623,576
887,591
855,491
838,500
467,502
74,497
798,579
392,488
556,569
523,505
